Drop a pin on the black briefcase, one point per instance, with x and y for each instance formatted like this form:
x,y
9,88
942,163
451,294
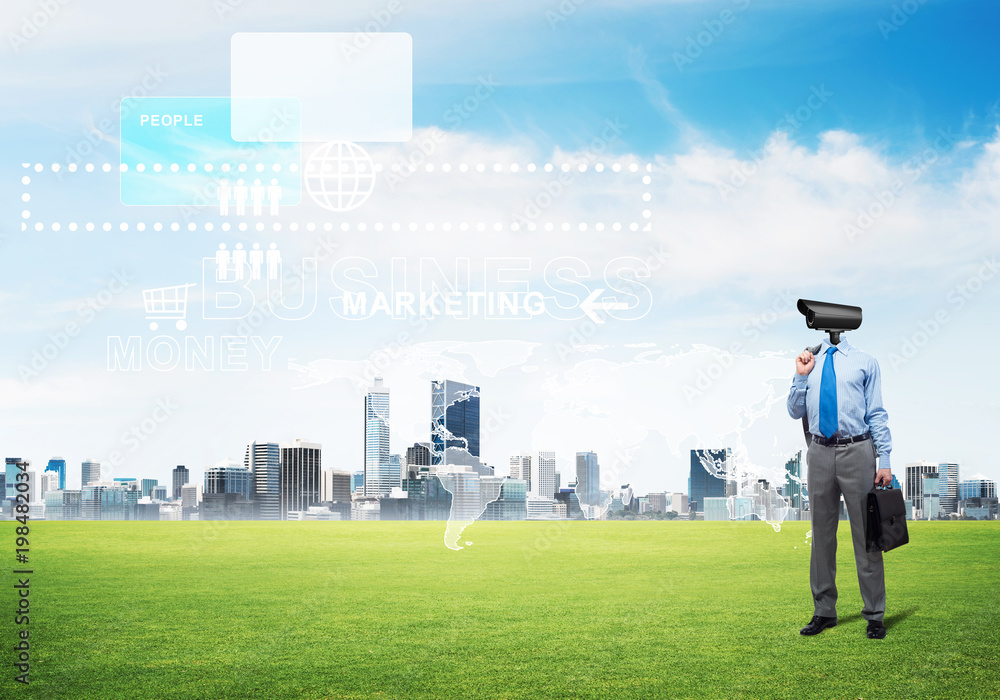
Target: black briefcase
x,y
885,526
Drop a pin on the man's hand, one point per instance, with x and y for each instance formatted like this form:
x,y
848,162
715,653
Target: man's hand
x,y
883,477
804,363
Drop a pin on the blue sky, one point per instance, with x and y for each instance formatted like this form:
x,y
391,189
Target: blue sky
x,y
559,82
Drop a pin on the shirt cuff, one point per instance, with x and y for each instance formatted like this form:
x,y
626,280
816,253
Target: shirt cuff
x,y
883,462
799,380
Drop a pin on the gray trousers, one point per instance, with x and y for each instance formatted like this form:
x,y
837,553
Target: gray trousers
x,y
848,470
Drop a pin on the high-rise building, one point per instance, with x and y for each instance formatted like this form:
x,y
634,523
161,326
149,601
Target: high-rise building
x,y
11,468
793,481
520,468
977,486
930,495
103,500
512,503
427,498
454,422
588,479
181,476
263,459
58,465
49,482
702,483
395,474
358,482
913,482
546,471
336,486
658,502
229,479
948,474
63,505
419,455
191,495
147,487
90,472
160,493
377,440
301,465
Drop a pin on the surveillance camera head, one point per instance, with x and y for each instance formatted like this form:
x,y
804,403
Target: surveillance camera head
x,y
832,318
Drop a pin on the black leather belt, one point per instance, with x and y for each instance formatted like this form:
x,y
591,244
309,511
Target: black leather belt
x,y
827,442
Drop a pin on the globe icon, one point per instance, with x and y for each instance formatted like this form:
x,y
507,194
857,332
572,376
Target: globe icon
x,y
340,175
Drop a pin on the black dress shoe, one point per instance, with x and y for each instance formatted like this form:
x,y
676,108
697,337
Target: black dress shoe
x,y
876,630
818,624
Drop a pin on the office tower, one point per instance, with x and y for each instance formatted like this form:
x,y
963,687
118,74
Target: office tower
x,y
301,465
520,468
107,501
558,484
181,476
793,481
588,479
977,486
63,505
569,501
358,482
90,472
948,474
454,422
678,503
190,495
58,465
147,487
229,479
703,484
512,503
336,486
263,459
159,494
377,440
930,495
11,468
658,502
546,471
426,496
417,456
49,482
913,481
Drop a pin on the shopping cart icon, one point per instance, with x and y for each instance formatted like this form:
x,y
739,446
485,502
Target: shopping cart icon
x,y
168,304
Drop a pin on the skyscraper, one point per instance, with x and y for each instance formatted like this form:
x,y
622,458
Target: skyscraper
x,y
546,473
708,485
301,464
930,495
419,455
520,468
377,440
90,472
948,473
228,479
793,481
58,465
181,476
454,422
263,459
588,479
913,483
977,486
147,487
336,486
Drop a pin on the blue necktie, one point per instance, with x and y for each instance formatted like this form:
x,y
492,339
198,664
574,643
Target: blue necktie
x,y
828,396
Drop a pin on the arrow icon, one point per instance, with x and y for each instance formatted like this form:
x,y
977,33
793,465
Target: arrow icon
x,y
590,305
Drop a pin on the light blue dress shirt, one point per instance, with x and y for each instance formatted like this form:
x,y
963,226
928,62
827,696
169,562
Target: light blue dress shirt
x,y
859,396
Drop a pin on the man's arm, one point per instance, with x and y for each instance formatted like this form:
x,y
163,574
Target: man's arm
x,y
797,394
876,416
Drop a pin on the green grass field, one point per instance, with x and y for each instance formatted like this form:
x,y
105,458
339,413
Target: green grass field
x,y
531,610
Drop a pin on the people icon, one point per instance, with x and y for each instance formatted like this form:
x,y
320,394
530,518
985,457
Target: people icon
x,y
273,261
256,261
240,195
239,261
257,195
274,196
222,262
225,191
